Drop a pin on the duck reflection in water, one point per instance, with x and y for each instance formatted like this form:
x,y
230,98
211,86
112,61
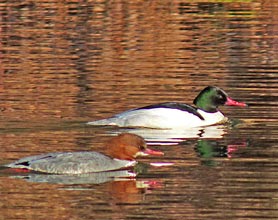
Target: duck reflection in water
x,y
121,186
85,178
210,149
174,136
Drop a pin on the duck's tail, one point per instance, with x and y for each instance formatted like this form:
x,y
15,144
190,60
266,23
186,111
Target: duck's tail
x,y
109,121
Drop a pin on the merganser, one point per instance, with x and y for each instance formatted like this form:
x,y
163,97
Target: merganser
x,y
173,115
122,150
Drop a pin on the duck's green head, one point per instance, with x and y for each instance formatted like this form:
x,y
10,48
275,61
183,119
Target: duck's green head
x,y
211,97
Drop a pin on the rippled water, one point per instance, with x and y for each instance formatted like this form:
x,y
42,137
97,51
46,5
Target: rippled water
x,y
65,63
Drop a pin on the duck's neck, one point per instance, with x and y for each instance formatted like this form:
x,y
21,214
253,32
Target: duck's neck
x,y
119,153
203,102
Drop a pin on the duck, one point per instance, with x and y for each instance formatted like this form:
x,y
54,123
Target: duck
x,y
174,115
122,150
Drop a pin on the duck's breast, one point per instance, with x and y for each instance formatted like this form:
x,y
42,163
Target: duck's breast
x,y
212,118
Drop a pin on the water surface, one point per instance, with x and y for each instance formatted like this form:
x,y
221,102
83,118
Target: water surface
x,y
65,63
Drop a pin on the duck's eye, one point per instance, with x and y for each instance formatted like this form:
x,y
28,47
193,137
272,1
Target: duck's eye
x,y
142,147
221,97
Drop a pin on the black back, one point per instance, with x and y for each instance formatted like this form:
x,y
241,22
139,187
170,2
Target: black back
x,y
175,105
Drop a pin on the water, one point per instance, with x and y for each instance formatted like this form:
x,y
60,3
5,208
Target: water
x,y
63,64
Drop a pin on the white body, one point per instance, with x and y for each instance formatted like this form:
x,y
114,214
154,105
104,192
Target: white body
x,y
162,118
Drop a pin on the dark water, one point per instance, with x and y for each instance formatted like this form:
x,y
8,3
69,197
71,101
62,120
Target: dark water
x,y
65,63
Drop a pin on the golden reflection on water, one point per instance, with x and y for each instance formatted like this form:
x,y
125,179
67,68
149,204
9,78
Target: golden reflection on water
x,y
73,60
63,63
